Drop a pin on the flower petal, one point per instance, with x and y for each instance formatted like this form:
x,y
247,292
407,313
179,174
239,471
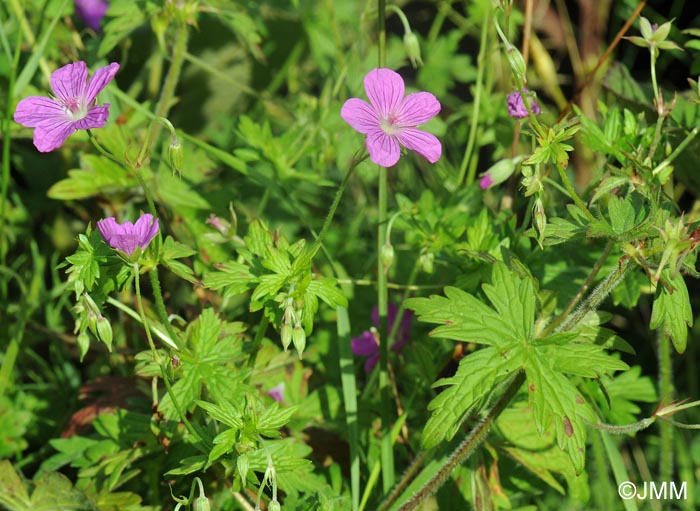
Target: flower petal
x,y
145,228
371,362
91,12
383,149
96,118
108,228
418,108
99,81
126,242
365,344
39,111
48,137
68,82
424,143
360,115
385,90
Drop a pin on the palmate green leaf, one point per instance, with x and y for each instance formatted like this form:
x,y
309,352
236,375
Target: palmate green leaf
x,y
554,398
475,378
587,360
208,362
327,290
672,312
55,492
514,299
231,277
464,318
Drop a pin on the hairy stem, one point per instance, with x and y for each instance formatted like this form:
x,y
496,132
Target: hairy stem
x,y
468,446
582,291
666,395
596,297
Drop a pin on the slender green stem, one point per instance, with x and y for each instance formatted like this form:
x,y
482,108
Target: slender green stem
x,y
402,17
573,194
471,142
104,152
168,91
156,356
257,341
657,136
387,451
653,50
160,307
29,35
666,395
597,296
17,334
582,291
336,201
677,151
468,446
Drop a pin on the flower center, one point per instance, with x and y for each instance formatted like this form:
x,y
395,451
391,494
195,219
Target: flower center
x,y
388,125
75,109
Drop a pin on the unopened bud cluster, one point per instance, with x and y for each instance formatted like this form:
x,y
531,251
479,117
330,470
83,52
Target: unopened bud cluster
x,y
291,330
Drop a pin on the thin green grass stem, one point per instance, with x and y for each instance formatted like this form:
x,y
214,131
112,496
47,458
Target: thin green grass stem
x,y
349,386
474,128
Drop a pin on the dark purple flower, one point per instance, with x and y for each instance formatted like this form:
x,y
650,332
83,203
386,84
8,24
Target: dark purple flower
x,y
91,12
516,107
73,108
127,237
367,343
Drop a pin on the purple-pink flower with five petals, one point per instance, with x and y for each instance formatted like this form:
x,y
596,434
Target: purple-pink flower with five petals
x,y
127,237
367,343
391,119
73,108
91,12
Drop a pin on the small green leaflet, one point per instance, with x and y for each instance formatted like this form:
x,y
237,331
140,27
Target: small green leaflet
x,y
671,311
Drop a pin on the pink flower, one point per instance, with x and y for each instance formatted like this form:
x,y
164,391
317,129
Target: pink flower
x,y
390,119
91,12
127,237
73,108
367,343
516,107
277,392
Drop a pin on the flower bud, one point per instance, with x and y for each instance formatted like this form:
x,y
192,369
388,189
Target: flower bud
x,y
176,155
386,256
499,172
299,339
412,47
426,261
104,331
539,218
274,506
286,335
517,63
201,503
